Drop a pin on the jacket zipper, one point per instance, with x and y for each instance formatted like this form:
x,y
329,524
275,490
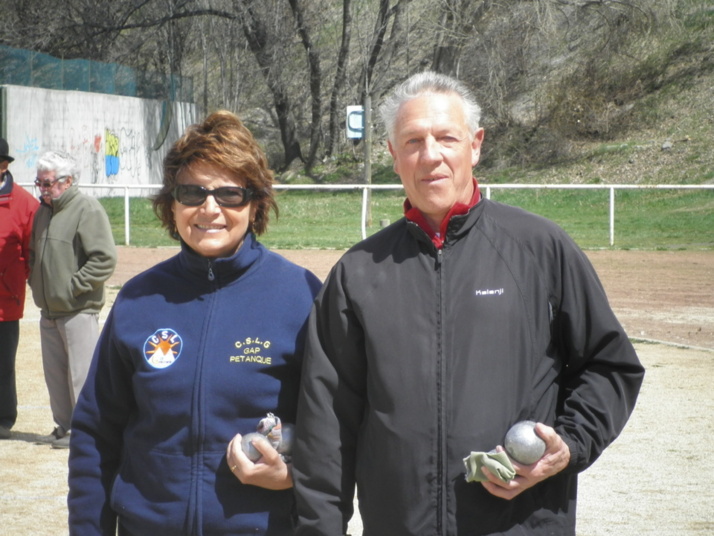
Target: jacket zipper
x,y
195,513
441,377
41,259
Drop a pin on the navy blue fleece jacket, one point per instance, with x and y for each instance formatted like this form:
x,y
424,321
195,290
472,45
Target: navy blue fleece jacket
x,y
193,351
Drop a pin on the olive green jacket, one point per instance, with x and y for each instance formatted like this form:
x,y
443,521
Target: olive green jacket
x,y
72,254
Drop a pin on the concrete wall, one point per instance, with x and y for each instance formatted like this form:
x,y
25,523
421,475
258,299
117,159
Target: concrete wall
x,y
117,140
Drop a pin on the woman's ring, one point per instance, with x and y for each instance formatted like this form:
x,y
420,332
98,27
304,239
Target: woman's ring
x,y
233,468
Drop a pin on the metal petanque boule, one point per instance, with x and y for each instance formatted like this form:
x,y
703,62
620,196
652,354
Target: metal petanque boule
x,y
247,444
523,444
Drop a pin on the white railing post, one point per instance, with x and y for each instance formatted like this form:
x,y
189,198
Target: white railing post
x,y
365,202
127,227
612,216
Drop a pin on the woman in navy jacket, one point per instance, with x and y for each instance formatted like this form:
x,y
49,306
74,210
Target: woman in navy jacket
x,y
195,350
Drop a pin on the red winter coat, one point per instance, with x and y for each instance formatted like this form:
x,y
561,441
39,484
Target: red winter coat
x,y
17,209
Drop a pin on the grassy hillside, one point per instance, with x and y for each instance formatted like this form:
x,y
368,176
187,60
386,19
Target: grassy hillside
x,y
669,140
641,115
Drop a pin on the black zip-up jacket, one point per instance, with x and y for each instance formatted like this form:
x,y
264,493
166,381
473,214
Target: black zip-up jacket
x,y
416,357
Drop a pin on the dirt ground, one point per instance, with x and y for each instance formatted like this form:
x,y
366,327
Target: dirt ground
x,y
655,479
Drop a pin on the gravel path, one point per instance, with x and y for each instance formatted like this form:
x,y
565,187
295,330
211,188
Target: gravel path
x,y
655,479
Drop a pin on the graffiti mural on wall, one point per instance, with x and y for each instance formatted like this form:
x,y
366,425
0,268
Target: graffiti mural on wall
x,y
123,155
135,156
28,152
113,138
79,141
109,157
97,161
111,154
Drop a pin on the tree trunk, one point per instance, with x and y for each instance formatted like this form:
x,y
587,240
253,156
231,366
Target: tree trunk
x,y
339,75
313,60
459,18
380,28
256,34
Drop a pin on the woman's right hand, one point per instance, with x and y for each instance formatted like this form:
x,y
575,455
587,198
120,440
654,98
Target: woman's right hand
x,y
269,472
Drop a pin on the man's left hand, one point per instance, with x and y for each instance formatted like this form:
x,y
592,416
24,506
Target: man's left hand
x,y
555,458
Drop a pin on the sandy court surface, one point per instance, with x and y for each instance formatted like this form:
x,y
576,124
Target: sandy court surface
x,y
658,295
655,479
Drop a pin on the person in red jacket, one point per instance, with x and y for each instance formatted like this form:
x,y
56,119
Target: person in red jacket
x,y
17,209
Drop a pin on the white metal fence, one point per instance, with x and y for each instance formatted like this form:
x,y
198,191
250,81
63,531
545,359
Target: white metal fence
x,y
127,188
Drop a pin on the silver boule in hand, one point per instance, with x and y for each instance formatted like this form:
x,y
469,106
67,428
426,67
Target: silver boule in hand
x,y
278,434
523,444
247,445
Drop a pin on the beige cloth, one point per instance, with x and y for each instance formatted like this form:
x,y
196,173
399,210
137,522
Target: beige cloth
x,y
496,462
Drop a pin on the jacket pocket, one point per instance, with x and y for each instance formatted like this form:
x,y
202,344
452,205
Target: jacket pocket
x,y
150,492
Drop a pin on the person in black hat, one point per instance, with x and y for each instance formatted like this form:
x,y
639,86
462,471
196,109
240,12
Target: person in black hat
x,y
17,209
4,154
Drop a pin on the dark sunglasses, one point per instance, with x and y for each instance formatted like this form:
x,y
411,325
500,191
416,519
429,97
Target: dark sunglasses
x,y
193,195
49,183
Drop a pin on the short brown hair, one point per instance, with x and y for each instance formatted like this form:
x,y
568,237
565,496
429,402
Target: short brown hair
x,y
223,141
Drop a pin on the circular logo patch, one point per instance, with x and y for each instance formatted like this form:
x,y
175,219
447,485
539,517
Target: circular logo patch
x,y
162,348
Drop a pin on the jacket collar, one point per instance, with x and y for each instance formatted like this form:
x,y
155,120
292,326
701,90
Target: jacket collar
x,y
222,270
63,200
6,188
451,224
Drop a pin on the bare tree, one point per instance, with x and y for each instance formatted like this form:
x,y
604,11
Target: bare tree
x,y
340,74
376,43
458,21
313,61
259,42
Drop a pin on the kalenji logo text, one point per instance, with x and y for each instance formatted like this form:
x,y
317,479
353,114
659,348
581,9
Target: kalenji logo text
x,y
489,292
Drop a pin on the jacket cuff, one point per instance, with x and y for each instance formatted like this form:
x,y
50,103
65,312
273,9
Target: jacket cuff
x,y
577,461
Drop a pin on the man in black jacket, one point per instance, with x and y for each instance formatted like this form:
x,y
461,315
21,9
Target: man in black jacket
x,y
431,338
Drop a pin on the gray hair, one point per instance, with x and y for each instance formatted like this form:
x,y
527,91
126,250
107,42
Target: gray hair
x,y
427,83
62,163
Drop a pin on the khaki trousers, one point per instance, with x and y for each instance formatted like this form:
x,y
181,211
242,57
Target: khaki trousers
x,y
67,349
